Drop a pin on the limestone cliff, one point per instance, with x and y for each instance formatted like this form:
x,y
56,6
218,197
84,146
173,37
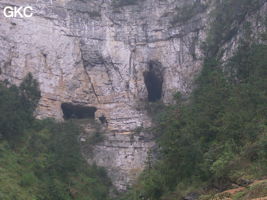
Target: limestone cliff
x,y
110,59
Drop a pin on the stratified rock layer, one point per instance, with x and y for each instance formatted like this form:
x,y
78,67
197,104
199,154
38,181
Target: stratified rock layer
x,y
94,54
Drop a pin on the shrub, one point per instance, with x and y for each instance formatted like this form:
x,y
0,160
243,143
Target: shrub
x,y
46,163
28,179
187,12
17,105
121,3
220,131
228,15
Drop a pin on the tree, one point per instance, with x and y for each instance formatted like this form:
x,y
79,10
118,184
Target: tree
x,y
17,105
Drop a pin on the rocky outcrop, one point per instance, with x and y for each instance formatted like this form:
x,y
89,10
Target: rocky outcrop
x,y
97,54
123,154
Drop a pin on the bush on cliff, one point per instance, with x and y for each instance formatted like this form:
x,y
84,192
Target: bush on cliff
x,y
41,159
17,105
120,3
217,137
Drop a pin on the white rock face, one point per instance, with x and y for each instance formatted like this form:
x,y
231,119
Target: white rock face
x,y
91,53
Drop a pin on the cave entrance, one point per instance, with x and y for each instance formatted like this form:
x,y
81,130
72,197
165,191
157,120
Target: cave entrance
x,y
154,80
103,119
71,111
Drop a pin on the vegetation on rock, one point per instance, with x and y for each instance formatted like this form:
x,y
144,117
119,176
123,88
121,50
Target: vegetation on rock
x,y
41,159
121,3
187,12
218,136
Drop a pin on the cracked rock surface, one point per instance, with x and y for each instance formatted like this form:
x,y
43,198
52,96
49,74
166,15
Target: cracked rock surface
x,y
91,53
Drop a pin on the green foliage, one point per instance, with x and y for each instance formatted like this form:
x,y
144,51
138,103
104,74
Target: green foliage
x,y
216,137
121,3
28,179
227,17
29,92
252,192
17,105
45,163
187,12
64,142
49,166
154,109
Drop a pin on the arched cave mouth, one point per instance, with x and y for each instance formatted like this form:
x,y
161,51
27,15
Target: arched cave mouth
x,y
153,81
71,111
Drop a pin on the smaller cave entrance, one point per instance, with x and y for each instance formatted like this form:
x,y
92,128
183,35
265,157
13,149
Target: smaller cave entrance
x,y
71,111
103,119
153,80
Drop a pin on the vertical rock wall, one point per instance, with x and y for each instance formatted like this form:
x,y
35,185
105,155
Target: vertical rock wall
x,y
94,54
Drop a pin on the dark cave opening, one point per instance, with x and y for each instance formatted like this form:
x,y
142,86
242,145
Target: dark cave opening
x,y
103,119
154,80
72,111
